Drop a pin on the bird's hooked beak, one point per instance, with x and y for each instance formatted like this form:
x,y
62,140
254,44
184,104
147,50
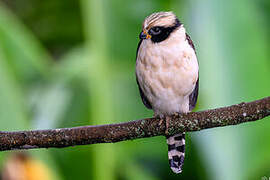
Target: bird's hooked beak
x,y
144,35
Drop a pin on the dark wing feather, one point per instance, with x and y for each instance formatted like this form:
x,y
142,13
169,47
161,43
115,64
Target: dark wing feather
x,y
190,42
194,95
144,98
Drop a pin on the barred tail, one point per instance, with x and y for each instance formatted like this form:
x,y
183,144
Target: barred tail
x,y
176,152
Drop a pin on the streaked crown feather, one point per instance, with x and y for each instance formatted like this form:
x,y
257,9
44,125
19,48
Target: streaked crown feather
x,y
164,19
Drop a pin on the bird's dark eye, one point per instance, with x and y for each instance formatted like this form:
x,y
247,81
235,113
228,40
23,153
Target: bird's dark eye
x,y
155,30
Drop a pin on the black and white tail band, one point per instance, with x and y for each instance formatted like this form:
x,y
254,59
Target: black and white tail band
x,y
176,152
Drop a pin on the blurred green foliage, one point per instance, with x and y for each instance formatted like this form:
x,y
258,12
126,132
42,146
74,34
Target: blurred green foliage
x,y
71,63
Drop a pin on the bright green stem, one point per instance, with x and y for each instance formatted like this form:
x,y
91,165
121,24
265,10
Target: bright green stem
x,y
99,83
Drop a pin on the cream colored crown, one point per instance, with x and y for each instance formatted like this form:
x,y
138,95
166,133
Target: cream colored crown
x,y
164,19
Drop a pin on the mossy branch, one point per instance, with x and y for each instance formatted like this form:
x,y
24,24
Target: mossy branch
x,y
194,121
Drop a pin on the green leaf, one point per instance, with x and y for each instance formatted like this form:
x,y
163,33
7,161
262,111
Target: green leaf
x,y
12,107
24,54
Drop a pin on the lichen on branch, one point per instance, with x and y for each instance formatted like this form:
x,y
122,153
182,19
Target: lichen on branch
x,y
193,121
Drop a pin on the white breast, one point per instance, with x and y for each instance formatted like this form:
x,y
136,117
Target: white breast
x,y
167,72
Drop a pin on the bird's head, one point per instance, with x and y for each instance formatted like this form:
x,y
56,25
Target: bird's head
x,y
158,26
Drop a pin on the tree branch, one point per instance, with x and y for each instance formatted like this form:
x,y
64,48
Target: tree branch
x,y
194,121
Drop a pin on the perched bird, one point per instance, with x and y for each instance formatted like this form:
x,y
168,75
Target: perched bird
x,y
167,74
